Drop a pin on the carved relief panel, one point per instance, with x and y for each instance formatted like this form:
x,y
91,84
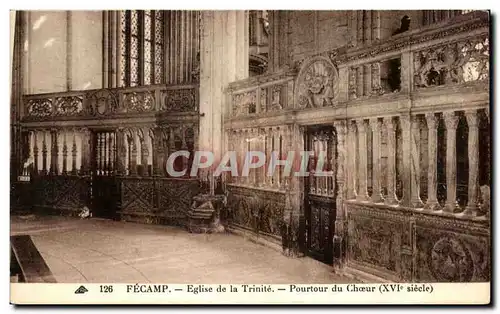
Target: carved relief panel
x,y
457,62
317,84
244,103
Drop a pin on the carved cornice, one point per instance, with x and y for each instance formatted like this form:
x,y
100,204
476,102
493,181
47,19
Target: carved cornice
x,y
396,43
254,81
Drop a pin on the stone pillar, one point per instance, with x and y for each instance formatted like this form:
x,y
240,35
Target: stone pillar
x,y
223,59
377,196
363,162
352,25
407,162
54,152
406,73
351,161
473,151
65,155
158,152
367,79
338,238
375,25
352,89
269,143
375,78
277,173
36,166
133,153
145,152
360,81
432,124
391,161
122,152
44,152
451,122
74,154
359,27
367,25
415,163
263,149
86,153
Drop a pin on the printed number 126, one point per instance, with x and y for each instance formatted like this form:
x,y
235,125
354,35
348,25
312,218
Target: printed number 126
x,y
106,289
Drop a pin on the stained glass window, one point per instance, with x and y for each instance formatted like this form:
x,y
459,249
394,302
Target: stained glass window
x,y
141,47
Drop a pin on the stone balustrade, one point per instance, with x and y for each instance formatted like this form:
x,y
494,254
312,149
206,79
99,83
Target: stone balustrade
x,y
110,103
412,166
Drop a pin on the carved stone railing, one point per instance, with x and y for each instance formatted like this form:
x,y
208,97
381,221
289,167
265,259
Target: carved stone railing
x,y
261,94
111,103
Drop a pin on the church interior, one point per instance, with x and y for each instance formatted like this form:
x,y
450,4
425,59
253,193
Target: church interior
x,y
394,104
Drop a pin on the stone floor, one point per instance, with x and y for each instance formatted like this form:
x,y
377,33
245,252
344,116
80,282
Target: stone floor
x,y
100,251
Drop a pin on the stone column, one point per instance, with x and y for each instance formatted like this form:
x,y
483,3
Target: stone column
x,y
391,161
377,196
352,88
360,81
86,152
375,25
121,148
432,124
415,163
338,238
223,59
367,77
359,27
279,139
158,151
269,150
54,152
74,154
145,152
406,73
133,153
363,162
65,155
367,23
351,161
451,122
473,151
352,25
407,159
375,78
36,166
44,152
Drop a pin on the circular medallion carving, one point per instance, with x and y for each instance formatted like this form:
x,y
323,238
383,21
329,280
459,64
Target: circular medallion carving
x,y
317,84
450,261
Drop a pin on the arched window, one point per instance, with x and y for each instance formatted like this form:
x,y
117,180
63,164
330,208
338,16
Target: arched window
x,y
141,47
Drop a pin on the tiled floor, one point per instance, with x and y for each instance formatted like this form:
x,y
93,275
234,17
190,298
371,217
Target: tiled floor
x,y
98,251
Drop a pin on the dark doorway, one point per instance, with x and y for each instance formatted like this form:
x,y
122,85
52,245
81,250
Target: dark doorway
x,y
104,184
320,193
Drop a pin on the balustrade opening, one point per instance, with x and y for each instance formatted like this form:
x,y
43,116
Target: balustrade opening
x,y
320,193
103,185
